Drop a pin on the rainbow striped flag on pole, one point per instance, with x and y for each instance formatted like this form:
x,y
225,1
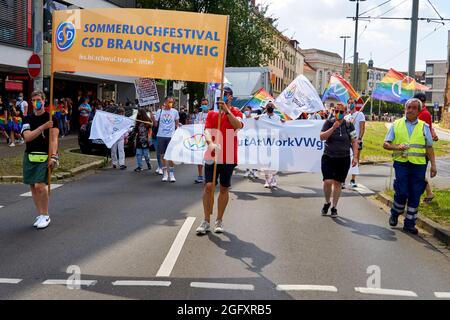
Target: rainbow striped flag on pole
x,y
259,100
397,88
340,89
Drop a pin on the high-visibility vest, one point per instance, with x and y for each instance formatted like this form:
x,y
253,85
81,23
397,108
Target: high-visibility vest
x,y
416,153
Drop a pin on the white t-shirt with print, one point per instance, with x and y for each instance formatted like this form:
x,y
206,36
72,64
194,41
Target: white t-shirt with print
x,y
166,122
356,119
273,118
200,118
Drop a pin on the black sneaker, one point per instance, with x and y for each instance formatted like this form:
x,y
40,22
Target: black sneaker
x,y
114,166
343,185
149,166
325,208
393,220
334,213
412,230
123,167
138,169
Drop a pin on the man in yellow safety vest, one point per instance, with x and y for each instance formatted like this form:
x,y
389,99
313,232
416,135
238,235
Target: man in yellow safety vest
x,y
412,145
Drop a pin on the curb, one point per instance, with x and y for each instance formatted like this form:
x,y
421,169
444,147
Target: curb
x,y
436,230
63,175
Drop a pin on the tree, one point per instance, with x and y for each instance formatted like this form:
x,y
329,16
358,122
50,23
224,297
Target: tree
x,y
250,35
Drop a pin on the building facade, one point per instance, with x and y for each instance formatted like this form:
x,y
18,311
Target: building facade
x,y
294,61
277,65
19,39
436,80
324,64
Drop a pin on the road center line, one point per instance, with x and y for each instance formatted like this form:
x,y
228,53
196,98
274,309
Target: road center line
x,y
52,187
167,266
134,283
388,292
442,295
9,281
222,286
1,207
287,287
66,282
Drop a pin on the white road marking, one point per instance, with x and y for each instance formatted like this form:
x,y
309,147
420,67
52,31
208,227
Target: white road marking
x,y
52,187
222,286
287,287
167,266
142,283
9,281
388,292
66,282
1,207
442,295
363,190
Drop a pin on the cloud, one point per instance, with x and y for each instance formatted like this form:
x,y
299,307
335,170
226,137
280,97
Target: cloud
x,y
320,23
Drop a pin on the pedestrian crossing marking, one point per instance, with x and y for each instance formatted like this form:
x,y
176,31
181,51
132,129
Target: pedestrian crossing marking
x,y
9,281
442,295
52,187
363,190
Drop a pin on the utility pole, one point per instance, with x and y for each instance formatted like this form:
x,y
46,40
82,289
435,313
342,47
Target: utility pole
x,y
413,42
355,51
345,50
38,39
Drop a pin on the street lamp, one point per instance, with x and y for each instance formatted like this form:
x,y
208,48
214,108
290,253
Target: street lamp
x,y
345,49
355,52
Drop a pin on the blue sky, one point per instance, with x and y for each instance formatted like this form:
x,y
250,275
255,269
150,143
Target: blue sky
x,y
320,23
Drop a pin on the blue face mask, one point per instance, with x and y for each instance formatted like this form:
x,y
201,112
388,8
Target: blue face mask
x,y
352,106
225,99
204,108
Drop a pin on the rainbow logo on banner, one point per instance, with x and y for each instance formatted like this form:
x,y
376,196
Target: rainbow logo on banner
x,y
340,89
397,88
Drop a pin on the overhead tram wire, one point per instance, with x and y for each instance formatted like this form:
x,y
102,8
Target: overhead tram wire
x,y
435,10
380,5
377,17
421,40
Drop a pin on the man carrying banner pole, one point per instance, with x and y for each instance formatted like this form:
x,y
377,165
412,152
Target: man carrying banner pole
x,y
222,145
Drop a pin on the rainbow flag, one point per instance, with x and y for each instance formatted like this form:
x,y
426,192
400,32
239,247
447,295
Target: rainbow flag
x,y
340,89
282,115
259,100
397,88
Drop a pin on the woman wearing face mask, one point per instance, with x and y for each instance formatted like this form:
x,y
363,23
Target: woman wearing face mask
x,y
270,116
339,135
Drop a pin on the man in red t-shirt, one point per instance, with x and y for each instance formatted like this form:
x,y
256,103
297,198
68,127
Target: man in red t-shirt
x,y
224,143
425,116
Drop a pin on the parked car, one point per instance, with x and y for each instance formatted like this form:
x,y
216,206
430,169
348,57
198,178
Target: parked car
x,y
90,146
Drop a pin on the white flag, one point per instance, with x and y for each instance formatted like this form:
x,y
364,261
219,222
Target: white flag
x,y
188,145
300,96
109,127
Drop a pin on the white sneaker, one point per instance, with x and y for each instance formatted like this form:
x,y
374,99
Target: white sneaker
x,y
36,222
43,222
218,227
273,183
203,228
12,145
172,177
165,176
267,184
159,171
247,174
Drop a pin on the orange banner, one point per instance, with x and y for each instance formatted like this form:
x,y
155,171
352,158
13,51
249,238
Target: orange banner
x,y
141,43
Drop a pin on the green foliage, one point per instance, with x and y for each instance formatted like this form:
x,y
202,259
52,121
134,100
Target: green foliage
x,y
250,34
386,107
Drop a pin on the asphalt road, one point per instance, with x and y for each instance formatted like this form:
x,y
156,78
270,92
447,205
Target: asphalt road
x,y
121,226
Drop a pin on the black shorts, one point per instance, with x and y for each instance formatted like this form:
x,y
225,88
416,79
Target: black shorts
x,y
163,143
224,171
335,168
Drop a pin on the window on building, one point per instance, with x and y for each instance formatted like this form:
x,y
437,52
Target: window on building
x,y
16,23
429,83
430,69
429,96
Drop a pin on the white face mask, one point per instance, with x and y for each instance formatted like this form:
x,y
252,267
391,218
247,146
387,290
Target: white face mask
x,y
248,113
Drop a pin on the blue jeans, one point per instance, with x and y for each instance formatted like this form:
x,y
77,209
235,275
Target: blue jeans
x,y
139,154
158,155
409,185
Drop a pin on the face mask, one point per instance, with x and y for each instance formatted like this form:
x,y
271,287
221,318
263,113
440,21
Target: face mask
x,y
339,116
170,104
225,99
38,105
20,98
248,113
269,110
204,108
352,106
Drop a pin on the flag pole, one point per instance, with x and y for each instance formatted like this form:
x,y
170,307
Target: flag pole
x,y
220,114
49,174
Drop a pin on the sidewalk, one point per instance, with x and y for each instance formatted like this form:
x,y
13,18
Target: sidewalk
x,y
70,141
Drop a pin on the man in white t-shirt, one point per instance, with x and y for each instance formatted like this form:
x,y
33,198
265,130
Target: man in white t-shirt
x,y
167,120
358,119
22,104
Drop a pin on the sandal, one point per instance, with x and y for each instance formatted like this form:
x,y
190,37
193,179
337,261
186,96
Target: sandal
x,y
428,199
